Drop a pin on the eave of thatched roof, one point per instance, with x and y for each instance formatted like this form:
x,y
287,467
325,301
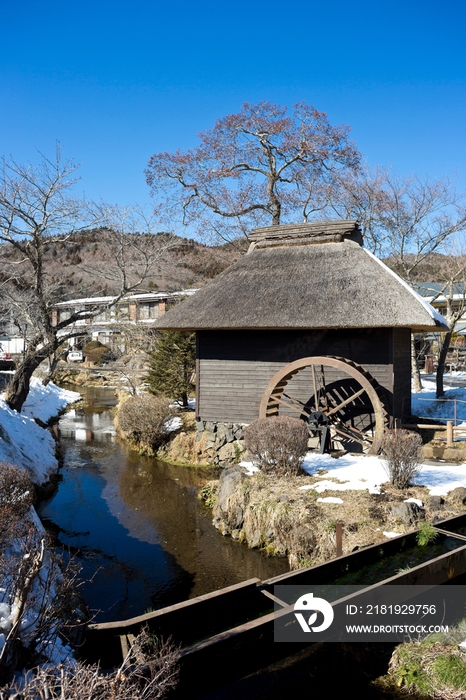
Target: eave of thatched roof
x,y
315,278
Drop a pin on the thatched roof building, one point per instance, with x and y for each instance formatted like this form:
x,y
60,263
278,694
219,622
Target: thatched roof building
x,y
313,275
307,323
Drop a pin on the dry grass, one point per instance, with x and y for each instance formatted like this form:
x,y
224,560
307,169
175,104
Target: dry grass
x,y
433,668
272,513
182,448
149,672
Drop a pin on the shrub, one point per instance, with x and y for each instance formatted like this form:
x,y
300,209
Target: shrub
x,y
401,456
96,352
208,493
143,420
16,495
431,668
277,444
38,590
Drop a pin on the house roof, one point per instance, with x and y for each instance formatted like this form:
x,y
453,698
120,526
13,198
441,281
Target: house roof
x,y
313,275
140,296
433,292
429,289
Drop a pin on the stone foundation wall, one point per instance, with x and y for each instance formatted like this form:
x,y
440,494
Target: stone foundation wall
x,y
222,443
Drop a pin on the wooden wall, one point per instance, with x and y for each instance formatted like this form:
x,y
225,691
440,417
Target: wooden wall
x,y
401,372
234,367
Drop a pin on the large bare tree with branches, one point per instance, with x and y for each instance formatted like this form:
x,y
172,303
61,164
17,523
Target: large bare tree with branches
x,y
39,207
258,167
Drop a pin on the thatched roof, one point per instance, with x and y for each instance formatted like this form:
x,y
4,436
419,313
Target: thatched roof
x,y
313,275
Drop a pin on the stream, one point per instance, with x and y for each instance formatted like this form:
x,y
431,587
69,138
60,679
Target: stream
x,y
135,524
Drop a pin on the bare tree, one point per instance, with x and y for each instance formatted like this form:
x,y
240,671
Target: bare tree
x,y
134,345
38,208
452,293
404,219
363,195
129,249
258,167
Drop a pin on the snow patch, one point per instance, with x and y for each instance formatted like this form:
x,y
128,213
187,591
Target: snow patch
x,y
173,424
417,501
250,468
330,499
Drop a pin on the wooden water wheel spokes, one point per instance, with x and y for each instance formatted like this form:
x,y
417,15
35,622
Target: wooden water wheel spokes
x,y
337,397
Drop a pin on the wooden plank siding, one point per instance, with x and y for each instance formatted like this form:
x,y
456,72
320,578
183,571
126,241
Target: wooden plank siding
x,y
234,367
401,372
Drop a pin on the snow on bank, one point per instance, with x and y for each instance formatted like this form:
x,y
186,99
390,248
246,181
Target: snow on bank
x,y
426,405
22,441
361,472
173,424
45,402
355,473
25,444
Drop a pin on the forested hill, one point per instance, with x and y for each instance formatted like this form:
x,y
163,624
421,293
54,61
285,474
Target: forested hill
x,y
435,267
86,263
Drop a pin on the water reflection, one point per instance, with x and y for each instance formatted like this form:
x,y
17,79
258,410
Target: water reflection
x,y
137,525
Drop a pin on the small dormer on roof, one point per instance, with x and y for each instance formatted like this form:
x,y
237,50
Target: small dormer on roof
x,y
305,234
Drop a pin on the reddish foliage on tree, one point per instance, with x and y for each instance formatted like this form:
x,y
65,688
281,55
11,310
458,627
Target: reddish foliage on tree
x,y
258,167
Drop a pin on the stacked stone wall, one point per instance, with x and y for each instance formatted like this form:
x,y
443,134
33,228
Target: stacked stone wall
x,y
222,443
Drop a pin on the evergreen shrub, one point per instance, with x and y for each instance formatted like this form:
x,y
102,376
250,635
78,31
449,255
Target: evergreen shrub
x,y
172,365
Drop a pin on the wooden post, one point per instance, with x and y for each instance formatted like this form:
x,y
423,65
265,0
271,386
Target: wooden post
x,y
449,433
339,534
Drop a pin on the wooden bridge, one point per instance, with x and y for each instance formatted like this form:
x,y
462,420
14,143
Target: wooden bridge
x,y
231,630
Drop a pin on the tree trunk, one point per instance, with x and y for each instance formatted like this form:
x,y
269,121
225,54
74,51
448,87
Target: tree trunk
x,y
441,363
18,388
415,371
52,368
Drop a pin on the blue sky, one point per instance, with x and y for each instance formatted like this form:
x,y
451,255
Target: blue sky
x,y
117,81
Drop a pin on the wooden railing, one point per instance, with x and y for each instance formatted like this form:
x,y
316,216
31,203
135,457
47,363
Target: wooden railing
x,y
449,427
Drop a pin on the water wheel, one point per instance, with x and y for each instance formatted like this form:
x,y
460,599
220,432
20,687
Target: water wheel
x,y
335,396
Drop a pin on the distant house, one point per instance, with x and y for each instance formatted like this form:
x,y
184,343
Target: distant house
x,y
309,324
11,342
144,309
134,309
431,292
447,303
